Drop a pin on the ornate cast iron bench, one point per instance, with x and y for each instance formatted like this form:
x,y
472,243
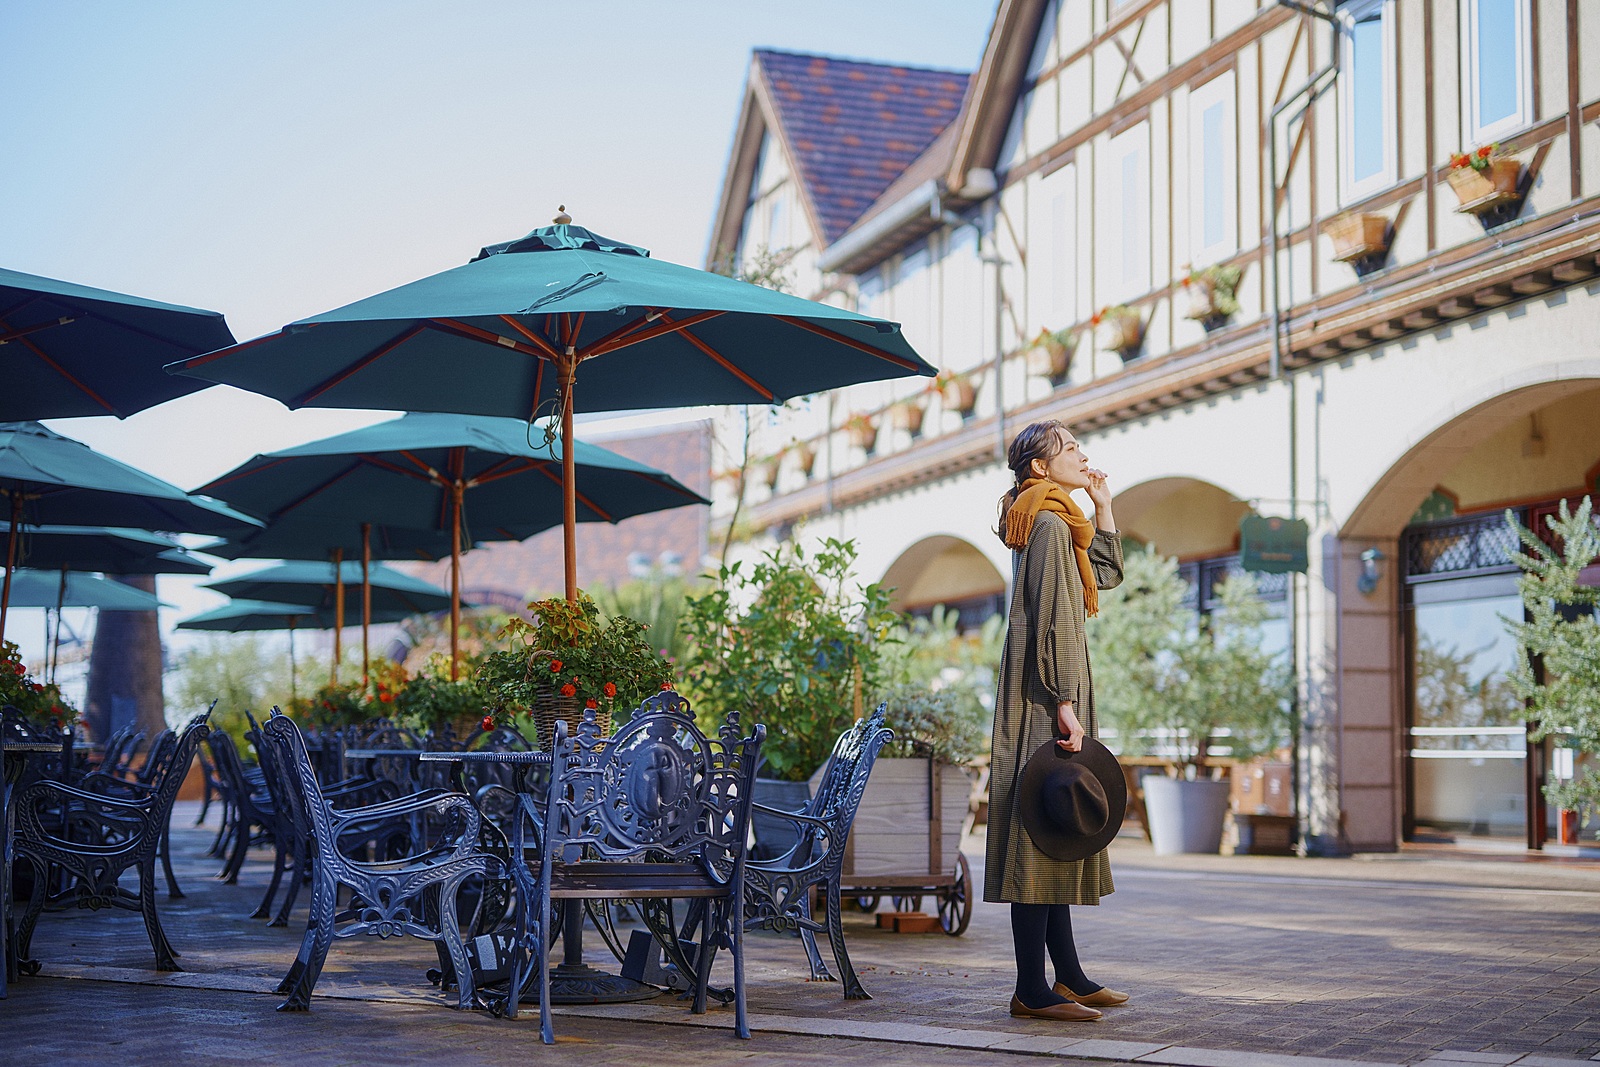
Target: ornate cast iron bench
x,y
103,837
414,895
779,890
658,811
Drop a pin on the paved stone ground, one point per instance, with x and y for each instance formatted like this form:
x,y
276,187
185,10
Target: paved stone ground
x,y
1232,962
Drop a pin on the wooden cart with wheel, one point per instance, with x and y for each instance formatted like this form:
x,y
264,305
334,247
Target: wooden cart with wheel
x,y
906,842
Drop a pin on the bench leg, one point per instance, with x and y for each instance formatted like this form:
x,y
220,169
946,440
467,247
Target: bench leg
x,y
166,957
302,977
173,892
735,927
264,909
853,990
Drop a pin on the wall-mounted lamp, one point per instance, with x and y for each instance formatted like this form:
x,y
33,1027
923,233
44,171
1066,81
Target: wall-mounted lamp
x,y
1370,571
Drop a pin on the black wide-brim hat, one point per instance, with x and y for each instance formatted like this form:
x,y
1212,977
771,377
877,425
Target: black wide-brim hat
x,y
1072,803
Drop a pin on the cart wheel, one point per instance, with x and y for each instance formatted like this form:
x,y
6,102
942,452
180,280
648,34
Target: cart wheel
x,y
955,903
867,904
907,903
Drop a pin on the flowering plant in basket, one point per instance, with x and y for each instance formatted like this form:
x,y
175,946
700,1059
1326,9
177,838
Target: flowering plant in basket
x,y
431,701
40,704
570,652
1478,159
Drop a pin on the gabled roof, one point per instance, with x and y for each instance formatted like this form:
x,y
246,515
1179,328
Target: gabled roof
x,y
849,128
853,127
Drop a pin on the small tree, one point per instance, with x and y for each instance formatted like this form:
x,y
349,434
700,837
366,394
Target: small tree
x,y
942,702
1558,666
241,672
792,643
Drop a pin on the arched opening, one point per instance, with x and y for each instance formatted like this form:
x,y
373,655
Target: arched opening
x,y
948,571
1425,653
1182,517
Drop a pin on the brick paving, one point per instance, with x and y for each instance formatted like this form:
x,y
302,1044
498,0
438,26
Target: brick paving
x,y
1231,961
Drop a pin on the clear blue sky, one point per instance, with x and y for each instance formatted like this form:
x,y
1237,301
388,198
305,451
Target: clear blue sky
x,y
276,159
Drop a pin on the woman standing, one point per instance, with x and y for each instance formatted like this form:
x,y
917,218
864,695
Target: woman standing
x,y
1060,560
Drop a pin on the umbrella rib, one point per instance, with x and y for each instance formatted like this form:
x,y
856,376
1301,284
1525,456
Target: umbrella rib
x,y
590,504
477,333
426,467
316,490
862,346
727,365
183,365
12,334
354,368
432,476
633,335
27,343
497,470
549,350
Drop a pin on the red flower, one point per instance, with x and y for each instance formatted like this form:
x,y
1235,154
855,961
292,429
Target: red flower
x,y
555,666
591,703
610,689
1483,153
665,686
569,690
1458,161
387,698
21,670
487,723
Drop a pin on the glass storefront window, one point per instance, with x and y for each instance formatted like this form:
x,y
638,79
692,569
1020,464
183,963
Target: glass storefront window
x,y
1467,738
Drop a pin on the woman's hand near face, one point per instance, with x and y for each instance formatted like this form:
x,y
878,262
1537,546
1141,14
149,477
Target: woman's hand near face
x,y
1069,727
1100,496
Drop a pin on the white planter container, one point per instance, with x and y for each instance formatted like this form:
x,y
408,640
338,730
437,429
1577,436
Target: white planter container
x,y
1185,816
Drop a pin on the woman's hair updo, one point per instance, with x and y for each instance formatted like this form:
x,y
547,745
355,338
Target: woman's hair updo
x,y
1038,440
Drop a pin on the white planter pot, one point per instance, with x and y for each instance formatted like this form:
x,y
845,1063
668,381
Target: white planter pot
x,y
1185,816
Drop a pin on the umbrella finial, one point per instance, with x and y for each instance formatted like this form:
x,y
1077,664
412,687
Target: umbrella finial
x,y
562,218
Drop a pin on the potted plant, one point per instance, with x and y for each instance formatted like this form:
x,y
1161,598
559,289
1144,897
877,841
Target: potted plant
x,y
431,703
806,457
767,469
1358,235
792,642
958,392
566,659
1213,294
1483,179
40,704
1050,354
1180,691
862,431
1122,330
907,415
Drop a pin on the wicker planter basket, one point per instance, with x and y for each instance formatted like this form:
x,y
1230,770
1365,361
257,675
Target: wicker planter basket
x,y
1049,359
959,395
907,415
550,706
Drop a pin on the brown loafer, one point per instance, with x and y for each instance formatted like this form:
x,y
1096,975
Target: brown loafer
x,y
1061,1013
1100,998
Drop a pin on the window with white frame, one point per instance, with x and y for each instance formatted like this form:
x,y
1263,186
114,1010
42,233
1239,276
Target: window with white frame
x,y
869,293
913,297
1367,98
1213,152
1496,64
1129,234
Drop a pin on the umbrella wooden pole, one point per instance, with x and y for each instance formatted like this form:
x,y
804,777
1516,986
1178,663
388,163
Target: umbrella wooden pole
x,y
11,559
338,610
456,489
53,655
366,596
569,482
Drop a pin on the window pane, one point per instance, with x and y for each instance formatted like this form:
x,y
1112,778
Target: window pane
x,y
1214,221
1366,98
1496,60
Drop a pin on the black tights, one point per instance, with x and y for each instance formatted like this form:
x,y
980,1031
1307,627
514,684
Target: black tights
x,y
1035,928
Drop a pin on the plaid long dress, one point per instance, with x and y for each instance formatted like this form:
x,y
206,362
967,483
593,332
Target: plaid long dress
x,y
1046,660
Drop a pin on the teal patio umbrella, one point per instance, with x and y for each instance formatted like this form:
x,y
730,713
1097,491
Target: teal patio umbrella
x,y
430,471
68,350
507,333
50,479
238,616
319,587
113,549
47,589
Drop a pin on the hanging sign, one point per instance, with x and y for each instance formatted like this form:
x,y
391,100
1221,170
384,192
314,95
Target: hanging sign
x,y
1273,545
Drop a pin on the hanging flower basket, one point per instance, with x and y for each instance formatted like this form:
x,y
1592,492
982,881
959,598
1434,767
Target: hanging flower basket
x,y
1357,235
862,432
957,392
1483,181
805,455
767,470
1121,330
1050,355
1213,298
907,415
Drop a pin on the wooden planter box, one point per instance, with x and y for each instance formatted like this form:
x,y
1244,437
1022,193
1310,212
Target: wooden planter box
x,y
1123,333
1357,235
1482,190
909,823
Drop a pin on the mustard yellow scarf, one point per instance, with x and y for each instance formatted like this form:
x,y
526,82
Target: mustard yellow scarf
x,y
1041,494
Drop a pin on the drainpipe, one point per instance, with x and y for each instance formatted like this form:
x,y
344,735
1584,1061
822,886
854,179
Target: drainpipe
x,y
1301,100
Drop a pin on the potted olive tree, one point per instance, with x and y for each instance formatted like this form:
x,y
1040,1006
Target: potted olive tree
x,y
1180,691
794,643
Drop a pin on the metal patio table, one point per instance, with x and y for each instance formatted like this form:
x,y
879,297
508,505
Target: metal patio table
x,y
572,981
